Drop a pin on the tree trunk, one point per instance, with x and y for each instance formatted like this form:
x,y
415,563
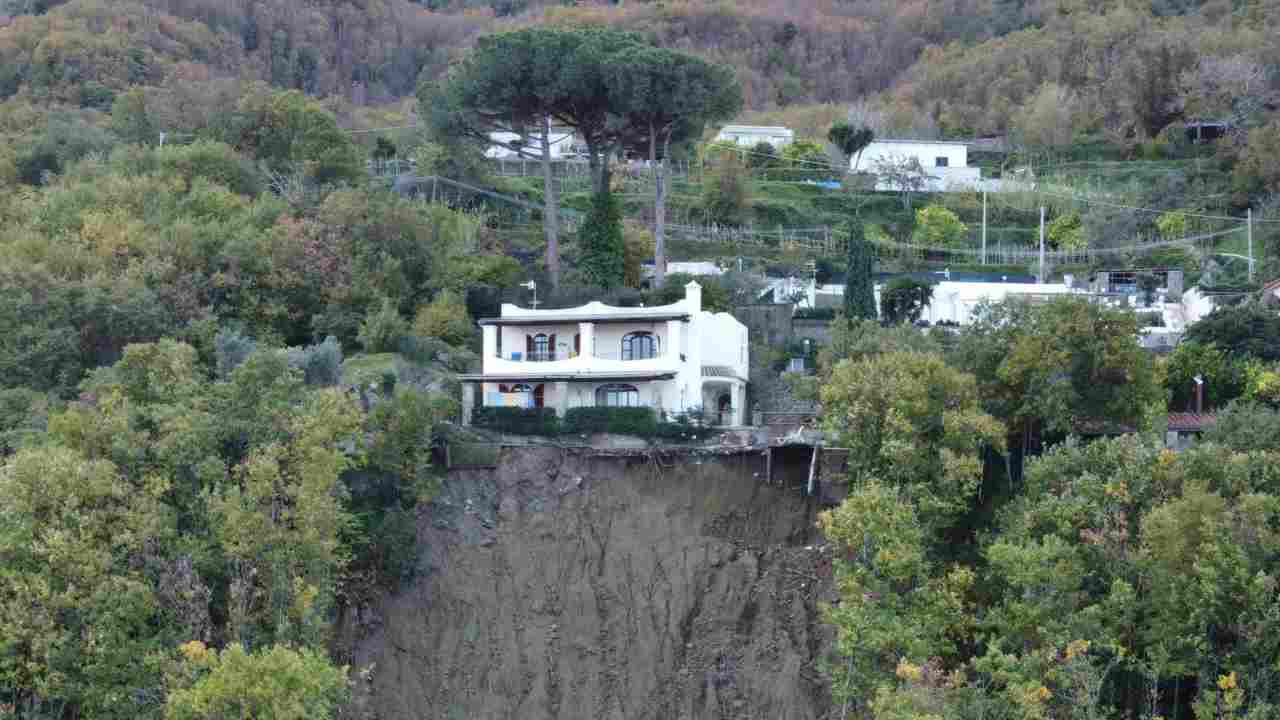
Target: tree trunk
x,y
606,173
659,207
551,208
593,164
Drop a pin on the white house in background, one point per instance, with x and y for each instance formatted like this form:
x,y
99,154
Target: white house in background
x,y
953,302
945,164
673,358
697,268
561,145
752,135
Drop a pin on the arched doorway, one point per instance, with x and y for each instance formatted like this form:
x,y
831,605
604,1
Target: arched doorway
x,y
724,409
535,392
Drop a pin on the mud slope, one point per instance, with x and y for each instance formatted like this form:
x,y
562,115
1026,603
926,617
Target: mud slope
x,y
568,585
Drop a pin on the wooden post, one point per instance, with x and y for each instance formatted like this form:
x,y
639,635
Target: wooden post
x,y
1041,245
984,227
813,466
768,465
1249,231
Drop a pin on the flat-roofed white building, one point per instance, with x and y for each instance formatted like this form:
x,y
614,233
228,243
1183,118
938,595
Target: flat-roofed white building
x,y
561,145
953,301
944,165
751,135
674,358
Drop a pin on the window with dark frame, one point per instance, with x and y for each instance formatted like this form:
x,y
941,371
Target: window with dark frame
x,y
940,161
639,346
617,395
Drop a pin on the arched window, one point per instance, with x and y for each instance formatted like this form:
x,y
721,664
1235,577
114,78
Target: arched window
x,y
617,396
639,346
541,347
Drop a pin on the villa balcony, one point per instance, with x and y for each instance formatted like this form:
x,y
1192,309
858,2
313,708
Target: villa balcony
x,y
524,356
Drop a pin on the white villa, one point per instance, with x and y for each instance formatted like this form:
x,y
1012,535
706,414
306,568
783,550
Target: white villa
x,y
561,145
945,164
751,135
673,358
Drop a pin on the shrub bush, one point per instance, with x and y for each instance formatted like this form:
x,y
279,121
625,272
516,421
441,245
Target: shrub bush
x,y
640,421
518,421
321,364
445,317
382,329
230,350
682,432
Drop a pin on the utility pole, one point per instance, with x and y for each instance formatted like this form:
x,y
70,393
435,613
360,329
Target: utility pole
x,y
1249,233
984,226
1041,244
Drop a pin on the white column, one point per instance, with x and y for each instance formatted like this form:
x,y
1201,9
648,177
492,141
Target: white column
x,y
673,339
562,398
468,402
739,400
490,333
587,338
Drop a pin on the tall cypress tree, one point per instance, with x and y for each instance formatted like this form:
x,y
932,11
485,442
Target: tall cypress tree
x,y
601,243
859,289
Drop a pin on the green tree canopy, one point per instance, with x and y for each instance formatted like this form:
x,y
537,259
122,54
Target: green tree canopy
x,y
277,682
665,95
903,299
293,134
911,421
937,226
1246,329
1060,365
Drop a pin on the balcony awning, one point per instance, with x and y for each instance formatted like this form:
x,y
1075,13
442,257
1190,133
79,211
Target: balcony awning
x,y
720,371
566,377
572,318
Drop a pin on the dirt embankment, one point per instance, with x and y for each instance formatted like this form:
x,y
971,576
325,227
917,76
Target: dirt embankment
x,y
567,585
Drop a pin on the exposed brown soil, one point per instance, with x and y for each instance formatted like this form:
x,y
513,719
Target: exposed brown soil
x,y
566,584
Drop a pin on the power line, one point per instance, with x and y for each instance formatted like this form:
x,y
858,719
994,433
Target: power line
x,y
385,129
1136,208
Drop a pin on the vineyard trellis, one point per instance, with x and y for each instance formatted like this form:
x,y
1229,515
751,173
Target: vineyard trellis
x,y
819,240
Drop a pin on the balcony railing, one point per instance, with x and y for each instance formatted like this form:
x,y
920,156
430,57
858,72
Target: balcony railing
x,y
553,355
537,355
604,355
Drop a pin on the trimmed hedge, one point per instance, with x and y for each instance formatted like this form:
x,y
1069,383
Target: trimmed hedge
x,y
518,421
640,421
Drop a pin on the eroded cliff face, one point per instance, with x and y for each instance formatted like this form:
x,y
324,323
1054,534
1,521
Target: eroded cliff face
x,y
566,584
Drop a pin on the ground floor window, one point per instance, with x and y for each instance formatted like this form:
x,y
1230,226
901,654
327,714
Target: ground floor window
x,y
535,393
617,396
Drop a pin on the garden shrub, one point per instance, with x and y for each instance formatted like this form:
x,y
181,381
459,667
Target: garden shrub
x,y
640,421
517,421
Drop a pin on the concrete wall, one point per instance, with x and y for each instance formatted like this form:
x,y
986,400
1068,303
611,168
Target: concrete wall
x,y
767,323
724,342
817,330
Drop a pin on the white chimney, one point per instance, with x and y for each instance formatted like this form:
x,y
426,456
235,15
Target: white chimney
x,y
693,296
